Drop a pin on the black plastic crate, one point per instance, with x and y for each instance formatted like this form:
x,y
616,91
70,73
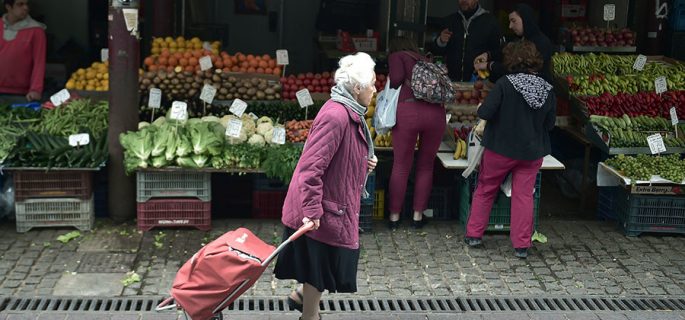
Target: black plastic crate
x,y
366,218
261,182
639,213
442,201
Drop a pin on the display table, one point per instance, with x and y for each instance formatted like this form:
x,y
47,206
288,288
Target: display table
x,y
548,163
443,148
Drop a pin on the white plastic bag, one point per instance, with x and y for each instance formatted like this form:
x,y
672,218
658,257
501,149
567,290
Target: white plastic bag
x,y
473,154
386,109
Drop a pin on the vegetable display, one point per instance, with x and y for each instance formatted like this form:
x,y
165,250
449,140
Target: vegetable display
x,y
642,167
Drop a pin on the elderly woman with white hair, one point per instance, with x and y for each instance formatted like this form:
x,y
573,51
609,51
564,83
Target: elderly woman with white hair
x,y
326,189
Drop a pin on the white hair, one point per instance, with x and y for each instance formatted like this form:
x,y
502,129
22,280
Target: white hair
x,y
355,70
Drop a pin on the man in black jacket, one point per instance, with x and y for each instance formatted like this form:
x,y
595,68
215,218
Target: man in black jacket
x,y
522,22
469,32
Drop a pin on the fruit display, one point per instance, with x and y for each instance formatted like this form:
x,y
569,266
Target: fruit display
x,y
642,103
93,78
189,61
182,85
317,83
460,152
470,95
181,44
297,131
643,167
627,132
601,37
462,132
463,115
383,140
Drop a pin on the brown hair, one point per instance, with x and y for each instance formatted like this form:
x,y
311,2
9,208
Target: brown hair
x,y
403,44
522,56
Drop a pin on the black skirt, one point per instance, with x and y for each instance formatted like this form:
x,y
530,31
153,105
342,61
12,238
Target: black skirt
x,y
323,266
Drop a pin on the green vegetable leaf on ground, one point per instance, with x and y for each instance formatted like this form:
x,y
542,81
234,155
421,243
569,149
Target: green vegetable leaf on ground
x,y
131,278
69,236
539,237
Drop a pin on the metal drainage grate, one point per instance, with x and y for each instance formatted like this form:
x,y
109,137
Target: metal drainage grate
x,y
418,305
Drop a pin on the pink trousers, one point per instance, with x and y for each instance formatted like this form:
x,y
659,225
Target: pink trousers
x,y
493,169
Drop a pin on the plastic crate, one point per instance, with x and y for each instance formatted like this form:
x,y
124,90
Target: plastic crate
x,y
606,207
441,201
500,214
638,213
175,213
267,204
263,183
53,184
366,218
379,205
181,184
56,212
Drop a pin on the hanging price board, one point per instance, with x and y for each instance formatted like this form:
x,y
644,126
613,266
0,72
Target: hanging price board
x,y
238,107
253,116
205,63
155,99
609,12
282,57
131,19
179,111
234,127
80,139
656,143
279,135
208,93
60,97
660,85
304,98
640,62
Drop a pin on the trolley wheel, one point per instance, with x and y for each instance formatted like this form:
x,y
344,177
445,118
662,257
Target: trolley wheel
x,y
218,316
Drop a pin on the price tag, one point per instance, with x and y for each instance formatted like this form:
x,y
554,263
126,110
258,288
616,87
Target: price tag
x,y
660,85
205,63
448,117
254,116
207,46
304,98
60,97
179,111
155,99
674,116
609,12
80,139
640,62
131,19
656,143
208,93
282,57
238,107
104,54
279,135
234,127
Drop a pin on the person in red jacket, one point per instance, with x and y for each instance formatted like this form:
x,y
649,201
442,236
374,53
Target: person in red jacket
x,y
22,54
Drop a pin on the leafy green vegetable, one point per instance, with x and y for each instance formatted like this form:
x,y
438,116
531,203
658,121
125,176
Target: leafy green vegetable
x,y
68,236
281,161
131,278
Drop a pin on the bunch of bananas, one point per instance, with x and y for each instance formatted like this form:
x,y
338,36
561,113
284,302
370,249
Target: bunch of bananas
x,y
460,152
383,140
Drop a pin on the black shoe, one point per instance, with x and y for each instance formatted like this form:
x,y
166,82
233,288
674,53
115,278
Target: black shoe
x,y
418,224
521,253
473,242
294,305
393,225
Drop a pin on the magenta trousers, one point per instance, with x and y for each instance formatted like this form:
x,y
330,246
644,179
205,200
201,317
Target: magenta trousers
x,y
493,169
415,120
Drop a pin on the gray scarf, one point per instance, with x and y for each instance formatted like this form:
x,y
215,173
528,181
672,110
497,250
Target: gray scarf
x,y
341,95
11,30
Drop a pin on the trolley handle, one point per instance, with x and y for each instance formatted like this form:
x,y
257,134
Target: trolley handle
x,y
304,229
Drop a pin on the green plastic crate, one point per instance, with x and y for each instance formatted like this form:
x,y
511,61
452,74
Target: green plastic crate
x,y
500,215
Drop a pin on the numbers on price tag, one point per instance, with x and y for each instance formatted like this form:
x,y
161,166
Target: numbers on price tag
x,y
656,143
660,85
60,97
238,107
205,63
304,98
253,116
208,93
104,55
282,57
279,135
179,111
640,62
609,12
80,139
131,19
674,116
155,99
234,127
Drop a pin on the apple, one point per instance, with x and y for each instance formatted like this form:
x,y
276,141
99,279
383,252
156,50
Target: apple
x,y
475,94
466,94
457,95
473,101
300,76
478,85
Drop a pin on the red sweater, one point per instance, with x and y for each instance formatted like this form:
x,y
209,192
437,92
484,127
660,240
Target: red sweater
x,y
22,61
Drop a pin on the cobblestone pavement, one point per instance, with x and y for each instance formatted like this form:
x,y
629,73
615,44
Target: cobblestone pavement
x,y
580,258
403,316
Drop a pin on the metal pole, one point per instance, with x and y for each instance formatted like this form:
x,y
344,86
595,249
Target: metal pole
x,y
124,52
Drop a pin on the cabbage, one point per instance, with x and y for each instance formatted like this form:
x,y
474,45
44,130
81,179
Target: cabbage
x,y
186,162
200,160
159,162
256,140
